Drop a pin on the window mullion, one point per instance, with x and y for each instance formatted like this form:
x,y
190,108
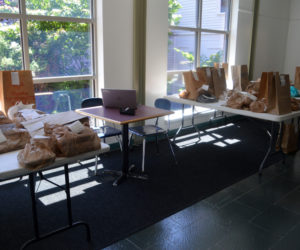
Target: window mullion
x,y
198,49
24,35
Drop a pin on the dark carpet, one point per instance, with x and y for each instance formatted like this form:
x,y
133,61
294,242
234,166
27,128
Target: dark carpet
x,y
230,154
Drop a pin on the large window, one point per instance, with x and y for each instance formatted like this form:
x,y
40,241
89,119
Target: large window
x,y
54,39
198,37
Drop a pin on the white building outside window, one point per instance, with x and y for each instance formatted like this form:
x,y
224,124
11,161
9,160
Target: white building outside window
x,y
198,36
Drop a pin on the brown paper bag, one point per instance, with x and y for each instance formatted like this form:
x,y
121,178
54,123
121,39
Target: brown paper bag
x,y
290,137
240,77
205,76
279,99
68,143
258,106
4,119
219,82
224,66
192,84
15,139
16,86
297,78
35,155
265,88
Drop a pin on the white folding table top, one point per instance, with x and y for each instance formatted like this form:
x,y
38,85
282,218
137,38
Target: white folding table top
x,y
220,105
10,167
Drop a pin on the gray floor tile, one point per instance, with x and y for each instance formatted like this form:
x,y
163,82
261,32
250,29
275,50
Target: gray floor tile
x,y
155,234
277,220
272,171
165,245
291,241
291,202
265,195
252,214
192,214
122,245
236,213
199,235
246,237
250,183
224,196
292,171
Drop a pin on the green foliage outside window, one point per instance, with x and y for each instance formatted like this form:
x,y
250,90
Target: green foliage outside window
x,y
209,61
55,48
174,19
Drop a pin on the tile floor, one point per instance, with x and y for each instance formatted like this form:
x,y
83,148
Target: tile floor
x,y
252,214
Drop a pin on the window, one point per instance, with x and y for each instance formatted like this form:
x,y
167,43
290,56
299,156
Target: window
x,y
54,39
224,6
198,36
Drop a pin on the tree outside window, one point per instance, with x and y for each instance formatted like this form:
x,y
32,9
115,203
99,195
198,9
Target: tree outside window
x,y
197,37
58,48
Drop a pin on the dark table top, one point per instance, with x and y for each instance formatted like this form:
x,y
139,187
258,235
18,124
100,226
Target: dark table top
x,y
113,114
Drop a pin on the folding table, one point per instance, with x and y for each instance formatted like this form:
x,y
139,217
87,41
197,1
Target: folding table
x,y
220,106
10,169
113,115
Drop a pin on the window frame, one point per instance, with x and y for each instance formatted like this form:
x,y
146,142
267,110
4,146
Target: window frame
x,y
23,17
199,30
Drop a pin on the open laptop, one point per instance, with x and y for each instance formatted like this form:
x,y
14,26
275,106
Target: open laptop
x,y
119,98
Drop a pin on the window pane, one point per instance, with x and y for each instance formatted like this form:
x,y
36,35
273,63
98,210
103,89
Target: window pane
x,y
175,83
63,96
183,13
213,47
59,48
182,50
215,14
9,6
10,47
66,8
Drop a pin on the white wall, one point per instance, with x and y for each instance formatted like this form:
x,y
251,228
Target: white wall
x,y
156,49
116,43
244,31
292,58
240,34
273,23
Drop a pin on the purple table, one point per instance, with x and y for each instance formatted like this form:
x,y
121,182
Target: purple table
x,y
113,115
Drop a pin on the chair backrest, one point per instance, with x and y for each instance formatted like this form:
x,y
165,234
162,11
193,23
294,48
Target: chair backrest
x,y
91,102
62,100
162,103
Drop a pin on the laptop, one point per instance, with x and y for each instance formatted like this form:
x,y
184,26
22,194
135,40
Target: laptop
x,y
119,98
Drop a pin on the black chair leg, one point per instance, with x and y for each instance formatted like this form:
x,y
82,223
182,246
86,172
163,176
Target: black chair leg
x,y
172,150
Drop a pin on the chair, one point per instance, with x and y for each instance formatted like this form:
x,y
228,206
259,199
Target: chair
x,y
153,130
62,101
103,131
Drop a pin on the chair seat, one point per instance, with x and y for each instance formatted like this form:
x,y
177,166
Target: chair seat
x,y
146,130
107,131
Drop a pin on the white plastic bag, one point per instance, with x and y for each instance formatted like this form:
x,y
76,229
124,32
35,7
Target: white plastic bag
x,y
18,106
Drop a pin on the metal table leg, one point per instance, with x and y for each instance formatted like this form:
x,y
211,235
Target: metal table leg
x,y
71,224
190,126
272,135
125,160
182,124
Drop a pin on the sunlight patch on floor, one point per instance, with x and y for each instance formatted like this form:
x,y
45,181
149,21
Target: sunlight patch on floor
x,y
59,179
221,144
61,195
232,141
220,127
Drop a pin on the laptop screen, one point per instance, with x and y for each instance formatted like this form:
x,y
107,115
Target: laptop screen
x,y
119,98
